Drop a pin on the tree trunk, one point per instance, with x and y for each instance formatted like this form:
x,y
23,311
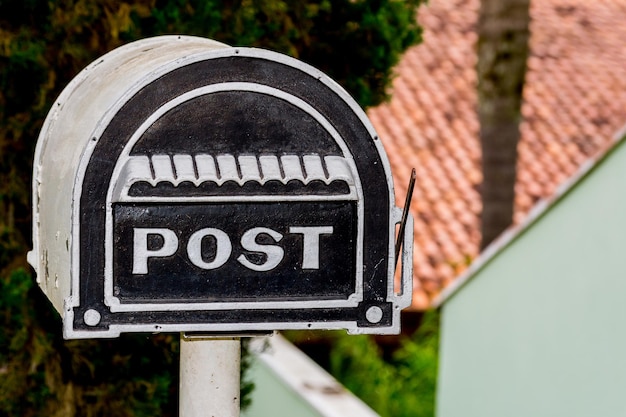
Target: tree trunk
x,y
502,53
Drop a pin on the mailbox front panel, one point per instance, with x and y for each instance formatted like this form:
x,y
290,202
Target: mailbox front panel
x,y
233,190
265,253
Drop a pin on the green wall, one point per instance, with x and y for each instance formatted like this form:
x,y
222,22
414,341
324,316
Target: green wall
x,y
540,330
273,398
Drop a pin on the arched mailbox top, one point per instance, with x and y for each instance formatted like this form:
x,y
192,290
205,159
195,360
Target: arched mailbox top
x,y
265,154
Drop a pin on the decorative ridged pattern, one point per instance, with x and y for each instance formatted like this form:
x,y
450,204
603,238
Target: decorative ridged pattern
x,y
219,169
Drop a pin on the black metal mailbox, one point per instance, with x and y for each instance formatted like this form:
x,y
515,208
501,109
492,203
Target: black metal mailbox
x,y
224,190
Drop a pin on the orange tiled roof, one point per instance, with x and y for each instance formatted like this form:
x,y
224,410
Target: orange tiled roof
x,y
574,102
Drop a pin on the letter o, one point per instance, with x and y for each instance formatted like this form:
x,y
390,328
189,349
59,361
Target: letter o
x,y
223,248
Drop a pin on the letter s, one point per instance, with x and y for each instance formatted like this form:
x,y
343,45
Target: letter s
x,y
274,253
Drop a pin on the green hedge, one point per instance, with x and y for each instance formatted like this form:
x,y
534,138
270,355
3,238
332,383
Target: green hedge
x,y
403,386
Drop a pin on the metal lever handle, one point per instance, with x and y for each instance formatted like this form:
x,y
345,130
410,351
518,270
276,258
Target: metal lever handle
x,y
405,214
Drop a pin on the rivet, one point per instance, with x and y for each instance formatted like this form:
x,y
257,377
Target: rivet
x,y
91,317
374,314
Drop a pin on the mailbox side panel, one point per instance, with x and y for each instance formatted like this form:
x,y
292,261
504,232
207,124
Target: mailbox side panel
x,y
67,136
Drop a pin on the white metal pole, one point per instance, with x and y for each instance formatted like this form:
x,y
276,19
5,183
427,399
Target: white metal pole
x,y
209,377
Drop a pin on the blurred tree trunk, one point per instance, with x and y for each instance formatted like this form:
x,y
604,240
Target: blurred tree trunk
x,y
503,32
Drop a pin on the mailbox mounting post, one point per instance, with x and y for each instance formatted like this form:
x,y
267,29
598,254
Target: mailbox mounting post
x,y
209,376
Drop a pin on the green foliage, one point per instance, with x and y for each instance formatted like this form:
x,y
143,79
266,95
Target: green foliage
x,y
43,375
22,364
402,386
43,45
247,385
355,42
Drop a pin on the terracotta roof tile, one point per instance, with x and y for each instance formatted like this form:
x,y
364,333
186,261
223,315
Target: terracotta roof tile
x,y
574,102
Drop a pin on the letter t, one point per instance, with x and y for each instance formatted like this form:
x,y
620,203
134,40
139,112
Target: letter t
x,y
311,244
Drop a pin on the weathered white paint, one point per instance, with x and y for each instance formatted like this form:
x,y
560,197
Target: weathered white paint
x,y
209,377
538,329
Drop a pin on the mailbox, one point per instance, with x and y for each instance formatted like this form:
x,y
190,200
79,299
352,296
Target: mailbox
x,y
184,185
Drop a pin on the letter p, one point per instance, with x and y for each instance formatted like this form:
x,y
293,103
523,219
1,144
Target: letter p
x,y
141,252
